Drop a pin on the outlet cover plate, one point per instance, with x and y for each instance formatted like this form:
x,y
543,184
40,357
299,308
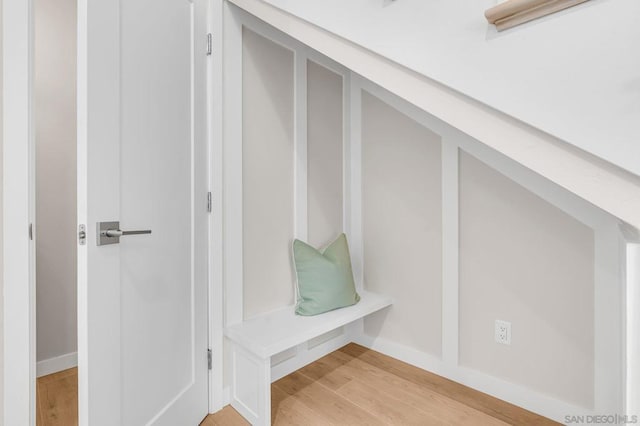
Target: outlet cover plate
x,y
503,332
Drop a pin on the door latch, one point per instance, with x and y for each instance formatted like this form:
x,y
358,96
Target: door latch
x,y
82,235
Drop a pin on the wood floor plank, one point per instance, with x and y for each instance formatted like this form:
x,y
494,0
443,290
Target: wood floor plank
x,y
391,410
58,398
287,410
440,407
225,417
40,412
324,401
494,407
354,386
326,370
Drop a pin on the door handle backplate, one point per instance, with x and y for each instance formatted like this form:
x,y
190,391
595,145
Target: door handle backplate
x,y
110,233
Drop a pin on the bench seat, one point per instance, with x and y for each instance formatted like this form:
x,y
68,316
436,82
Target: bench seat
x,y
277,331
257,339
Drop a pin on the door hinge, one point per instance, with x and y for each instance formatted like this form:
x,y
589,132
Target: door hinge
x,y
209,202
82,235
31,231
209,359
209,44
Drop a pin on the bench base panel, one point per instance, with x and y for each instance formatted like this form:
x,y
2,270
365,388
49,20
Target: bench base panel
x,y
251,386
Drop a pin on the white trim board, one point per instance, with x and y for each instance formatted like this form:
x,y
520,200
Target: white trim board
x,y
232,192
216,228
506,391
632,361
56,364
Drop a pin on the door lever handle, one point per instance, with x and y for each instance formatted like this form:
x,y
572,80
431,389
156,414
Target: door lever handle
x,y
118,233
110,233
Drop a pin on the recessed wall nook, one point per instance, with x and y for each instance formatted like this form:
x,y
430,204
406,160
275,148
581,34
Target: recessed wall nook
x,y
456,234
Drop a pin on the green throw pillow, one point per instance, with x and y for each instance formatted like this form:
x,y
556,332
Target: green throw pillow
x,y
325,279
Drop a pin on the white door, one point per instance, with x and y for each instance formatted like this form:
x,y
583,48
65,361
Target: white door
x,y
142,161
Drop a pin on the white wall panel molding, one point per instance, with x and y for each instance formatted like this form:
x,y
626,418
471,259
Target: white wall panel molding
x,y
630,247
608,375
632,356
352,204
609,319
236,25
595,180
301,227
510,148
353,173
450,225
550,191
232,167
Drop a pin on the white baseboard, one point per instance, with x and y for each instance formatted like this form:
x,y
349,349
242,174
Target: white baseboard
x,y
59,363
226,396
515,394
510,392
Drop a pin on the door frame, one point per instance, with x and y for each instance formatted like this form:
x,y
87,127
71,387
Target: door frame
x,y
215,135
18,212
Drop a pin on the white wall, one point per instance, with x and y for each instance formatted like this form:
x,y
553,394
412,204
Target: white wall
x,y
525,261
324,154
267,174
270,208
55,117
402,225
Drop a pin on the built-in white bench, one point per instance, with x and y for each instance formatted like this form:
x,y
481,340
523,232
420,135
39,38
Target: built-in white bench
x,y
256,340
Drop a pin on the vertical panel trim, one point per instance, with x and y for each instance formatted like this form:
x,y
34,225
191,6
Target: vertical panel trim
x,y
450,252
352,205
300,217
215,123
233,190
300,146
609,297
633,329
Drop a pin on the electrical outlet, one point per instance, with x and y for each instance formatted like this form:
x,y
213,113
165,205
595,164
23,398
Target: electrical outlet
x,y
503,332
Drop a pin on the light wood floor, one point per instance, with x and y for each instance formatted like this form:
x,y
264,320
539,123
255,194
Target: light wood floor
x,y
57,399
358,386
352,386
